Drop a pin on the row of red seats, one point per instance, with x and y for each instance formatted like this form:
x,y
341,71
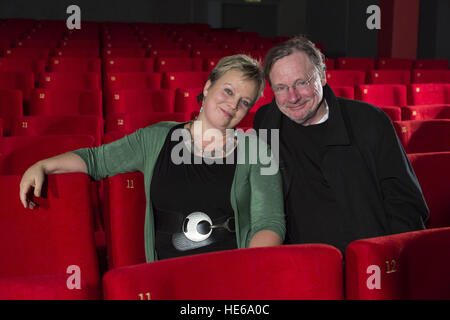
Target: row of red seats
x,y
206,61
51,255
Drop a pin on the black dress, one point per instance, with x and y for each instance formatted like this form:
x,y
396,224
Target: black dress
x,y
178,190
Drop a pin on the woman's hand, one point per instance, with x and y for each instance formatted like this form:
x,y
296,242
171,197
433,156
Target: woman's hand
x,y
34,177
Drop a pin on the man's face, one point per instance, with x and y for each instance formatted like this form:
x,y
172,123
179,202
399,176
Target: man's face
x,y
297,86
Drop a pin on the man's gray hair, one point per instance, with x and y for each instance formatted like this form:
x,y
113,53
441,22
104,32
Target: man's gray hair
x,y
284,49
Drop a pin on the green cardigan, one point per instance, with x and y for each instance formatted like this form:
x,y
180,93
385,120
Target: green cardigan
x,y
257,200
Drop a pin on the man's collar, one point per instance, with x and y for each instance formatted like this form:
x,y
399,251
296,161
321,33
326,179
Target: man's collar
x,y
337,132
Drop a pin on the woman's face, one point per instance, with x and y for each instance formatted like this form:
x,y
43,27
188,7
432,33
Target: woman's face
x,y
227,101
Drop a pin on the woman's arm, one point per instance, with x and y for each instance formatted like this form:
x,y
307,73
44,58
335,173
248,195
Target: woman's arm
x,y
265,238
34,177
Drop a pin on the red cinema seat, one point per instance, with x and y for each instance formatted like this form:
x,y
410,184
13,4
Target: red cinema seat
x,y
393,112
1,127
186,100
419,136
124,214
28,53
247,121
382,94
430,64
122,44
70,80
80,44
130,122
123,53
330,64
10,107
236,47
202,45
36,66
389,77
169,53
128,65
77,53
428,93
132,80
432,172
18,153
205,53
365,64
430,112
130,101
55,125
345,77
430,76
347,92
394,63
32,43
175,80
23,81
162,45
309,271
210,63
62,101
178,64
43,248
75,65
412,265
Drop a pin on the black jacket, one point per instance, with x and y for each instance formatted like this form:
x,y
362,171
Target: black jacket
x,y
364,164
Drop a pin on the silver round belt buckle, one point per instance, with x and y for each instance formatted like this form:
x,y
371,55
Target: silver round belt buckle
x,y
190,224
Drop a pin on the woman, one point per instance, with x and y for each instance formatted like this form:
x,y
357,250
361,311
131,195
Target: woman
x,y
195,206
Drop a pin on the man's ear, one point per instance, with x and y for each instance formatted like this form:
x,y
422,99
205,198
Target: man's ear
x,y
206,88
323,79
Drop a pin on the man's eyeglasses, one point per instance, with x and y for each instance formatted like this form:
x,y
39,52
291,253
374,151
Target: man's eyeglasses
x,y
282,90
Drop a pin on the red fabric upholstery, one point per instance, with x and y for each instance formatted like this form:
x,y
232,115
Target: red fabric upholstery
x,y
47,287
123,53
418,136
46,241
431,64
311,271
132,80
22,65
434,177
70,80
413,265
431,76
149,44
1,127
178,64
80,44
133,121
122,44
389,76
18,153
174,80
330,64
345,77
394,113
429,112
54,125
10,107
382,94
428,93
27,53
365,64
66,102
186,100
128,65
139,101
77,53
344,91
209,64
124,203
205,53
75,65
32,43
394,63
169,53
23,81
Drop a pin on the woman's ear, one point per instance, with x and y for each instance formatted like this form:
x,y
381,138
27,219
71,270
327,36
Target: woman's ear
x,y
206,88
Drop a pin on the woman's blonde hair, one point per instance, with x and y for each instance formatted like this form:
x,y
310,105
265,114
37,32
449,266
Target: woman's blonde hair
x,y
250,68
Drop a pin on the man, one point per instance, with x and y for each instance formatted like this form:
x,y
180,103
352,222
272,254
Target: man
x,y
345,173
